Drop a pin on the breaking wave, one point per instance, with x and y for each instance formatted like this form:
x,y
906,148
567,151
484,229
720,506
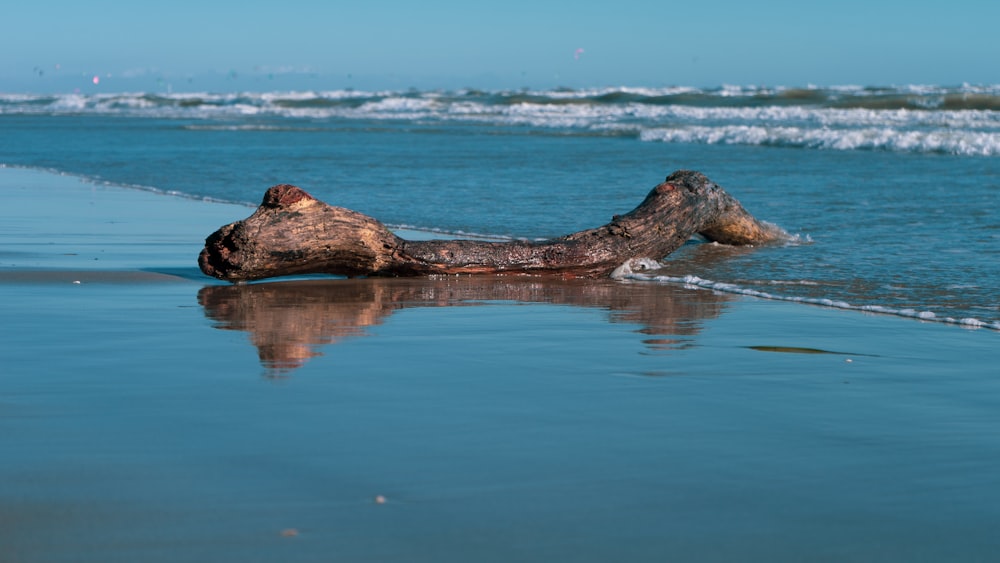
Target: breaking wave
x,y
922,119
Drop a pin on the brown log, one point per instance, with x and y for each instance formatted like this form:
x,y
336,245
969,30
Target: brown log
x,y
293,233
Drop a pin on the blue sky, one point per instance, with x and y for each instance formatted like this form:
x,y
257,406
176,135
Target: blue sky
x,y
54,46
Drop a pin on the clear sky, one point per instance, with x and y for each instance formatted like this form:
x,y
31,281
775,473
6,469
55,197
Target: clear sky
x,y
60,45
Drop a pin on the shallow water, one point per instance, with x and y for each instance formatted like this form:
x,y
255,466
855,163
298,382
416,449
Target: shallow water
x,y
498,420
906,225
149,413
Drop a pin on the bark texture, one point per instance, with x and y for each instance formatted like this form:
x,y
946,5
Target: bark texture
x,y
293,233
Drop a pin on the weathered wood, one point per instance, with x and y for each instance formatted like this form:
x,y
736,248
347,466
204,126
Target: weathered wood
x,y
293,233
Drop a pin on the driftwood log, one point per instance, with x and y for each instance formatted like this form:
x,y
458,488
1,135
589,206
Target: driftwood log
x,y
292,233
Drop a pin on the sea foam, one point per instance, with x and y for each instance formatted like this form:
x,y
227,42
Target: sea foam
x,y
635,270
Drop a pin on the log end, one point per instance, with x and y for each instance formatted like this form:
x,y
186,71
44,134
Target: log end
x,y
222,258
729,223
293,233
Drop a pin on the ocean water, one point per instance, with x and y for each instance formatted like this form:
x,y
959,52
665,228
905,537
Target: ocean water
x,y
891,194
151,414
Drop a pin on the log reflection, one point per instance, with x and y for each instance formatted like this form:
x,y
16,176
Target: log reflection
x,y
288,322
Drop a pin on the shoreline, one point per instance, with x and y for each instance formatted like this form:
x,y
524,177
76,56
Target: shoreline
x,y
63,222
111,215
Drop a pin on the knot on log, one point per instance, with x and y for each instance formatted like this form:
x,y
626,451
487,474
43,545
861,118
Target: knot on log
x,y
284,195
691,181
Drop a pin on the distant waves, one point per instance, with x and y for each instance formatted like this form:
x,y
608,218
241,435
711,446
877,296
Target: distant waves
x,y
921,119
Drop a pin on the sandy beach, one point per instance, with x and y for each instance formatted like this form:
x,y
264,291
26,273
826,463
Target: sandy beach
x,y
149,413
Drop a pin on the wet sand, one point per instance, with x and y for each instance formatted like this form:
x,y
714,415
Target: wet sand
x,y
148,413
